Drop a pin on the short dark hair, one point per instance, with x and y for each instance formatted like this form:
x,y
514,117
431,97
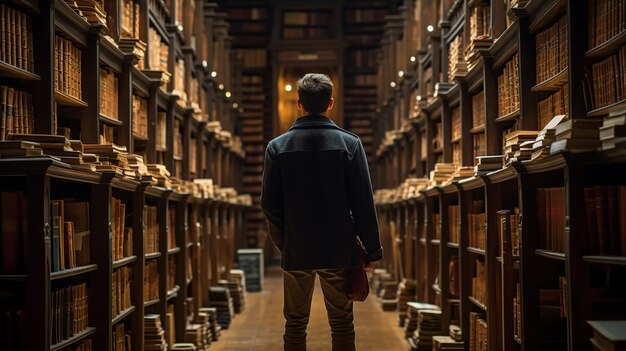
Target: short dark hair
x,y
315,91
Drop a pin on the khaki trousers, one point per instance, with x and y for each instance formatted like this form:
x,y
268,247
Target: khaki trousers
x,y
298,286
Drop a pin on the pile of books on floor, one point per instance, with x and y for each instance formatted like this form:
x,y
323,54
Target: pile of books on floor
x,y
236,293
406,291
488,164
388,296
428,325
518,145
195,334
154,335
183,347
608,335
413,308
220,298
577,135
441,173
613,130
214,328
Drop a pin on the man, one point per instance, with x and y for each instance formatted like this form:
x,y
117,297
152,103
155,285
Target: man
x,y
317,198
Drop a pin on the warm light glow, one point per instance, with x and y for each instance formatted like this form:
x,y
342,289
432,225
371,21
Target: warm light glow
x,y
288,87
235,105
213,74
392,84
205,64
412,58
400,73
430,28
220,87
418,98
228,94
180,28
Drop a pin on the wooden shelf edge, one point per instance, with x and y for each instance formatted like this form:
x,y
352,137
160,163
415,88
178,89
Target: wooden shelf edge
x,y
453,245
553,83
477,303
153,255
10,71
476,250
72,272
110,120
124,261
601,111
435,242
507,118
125,313
150,303
608,46
551,254
610,260
65,100
75,338
173,250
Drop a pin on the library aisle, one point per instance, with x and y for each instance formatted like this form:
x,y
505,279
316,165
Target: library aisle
x,y
260,326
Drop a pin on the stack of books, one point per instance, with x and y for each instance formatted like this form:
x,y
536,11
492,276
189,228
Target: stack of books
x,y
19,148
413,308
215,328
455,332
428,325
220,298
608,335
154,335
135,162
91,10
377,280
441,173
193,336
487,164
613,130
461,173
518,145
161,174
577,135
545,138
207,334
445,343
388,296
184,347
236,292
406,291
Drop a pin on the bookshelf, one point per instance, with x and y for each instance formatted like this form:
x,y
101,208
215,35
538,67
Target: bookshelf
x,y
105,92
516,75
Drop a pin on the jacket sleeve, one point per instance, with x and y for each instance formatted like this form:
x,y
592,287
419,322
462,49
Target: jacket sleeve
x,y
362,203
272,199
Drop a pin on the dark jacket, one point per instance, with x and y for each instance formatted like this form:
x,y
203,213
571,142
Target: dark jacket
x,y
317,196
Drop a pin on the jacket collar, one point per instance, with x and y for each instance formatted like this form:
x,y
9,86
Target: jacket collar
x,y
313,121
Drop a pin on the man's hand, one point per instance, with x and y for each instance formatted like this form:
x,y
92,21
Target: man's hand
x,y
370,266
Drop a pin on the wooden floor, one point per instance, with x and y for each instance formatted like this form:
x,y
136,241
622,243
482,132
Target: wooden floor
x,y
260,326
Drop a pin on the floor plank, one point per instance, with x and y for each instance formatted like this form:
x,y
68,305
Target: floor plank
x,y
260,326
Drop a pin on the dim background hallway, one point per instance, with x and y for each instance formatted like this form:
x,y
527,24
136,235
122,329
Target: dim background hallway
x,y
260,326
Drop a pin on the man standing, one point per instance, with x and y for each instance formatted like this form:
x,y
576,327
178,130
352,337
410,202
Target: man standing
x,y
317,198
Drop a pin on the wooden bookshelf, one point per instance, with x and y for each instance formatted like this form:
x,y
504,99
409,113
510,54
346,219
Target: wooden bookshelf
x,y
87,95
520,307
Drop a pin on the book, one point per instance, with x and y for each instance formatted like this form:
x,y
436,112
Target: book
x,y
108,93
69,311
605,81
16,112
121,281
17,38
551,218
508,87
606,20
551,50
151,281
151,234
68,63
608,335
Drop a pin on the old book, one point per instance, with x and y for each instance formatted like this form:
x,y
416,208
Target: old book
x,y
70,256
56,213
78,214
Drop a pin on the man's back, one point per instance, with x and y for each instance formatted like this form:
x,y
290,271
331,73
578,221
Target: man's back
x,y
321,170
